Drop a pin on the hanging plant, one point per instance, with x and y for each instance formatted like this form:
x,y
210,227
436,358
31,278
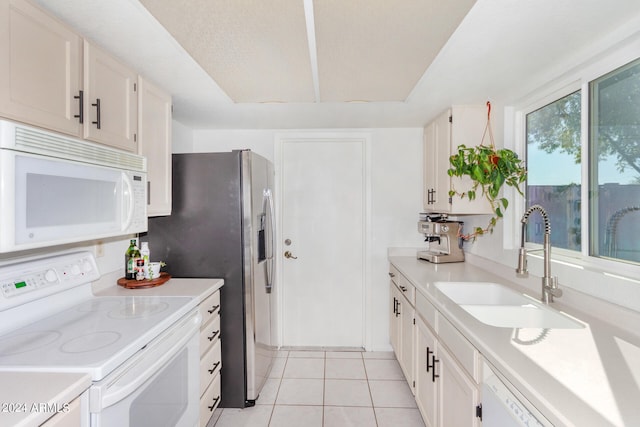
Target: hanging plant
x,y
489,169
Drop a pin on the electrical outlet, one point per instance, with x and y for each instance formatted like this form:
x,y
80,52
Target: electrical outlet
x,y
99,249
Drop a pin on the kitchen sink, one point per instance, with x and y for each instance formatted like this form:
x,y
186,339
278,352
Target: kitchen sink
x,y
482,293
497,305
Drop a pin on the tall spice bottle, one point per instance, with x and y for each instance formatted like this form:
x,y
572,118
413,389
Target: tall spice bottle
x,y
145,253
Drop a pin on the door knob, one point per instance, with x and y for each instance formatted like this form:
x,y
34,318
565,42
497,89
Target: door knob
x,y
288,254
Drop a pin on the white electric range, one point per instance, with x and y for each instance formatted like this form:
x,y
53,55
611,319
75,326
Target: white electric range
x,y
141,351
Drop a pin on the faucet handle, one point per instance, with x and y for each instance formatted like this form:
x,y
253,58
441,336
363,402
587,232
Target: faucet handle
x,y
521,270
556,292
551,287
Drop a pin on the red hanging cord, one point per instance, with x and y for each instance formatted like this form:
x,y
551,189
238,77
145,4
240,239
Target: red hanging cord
x,y
487,128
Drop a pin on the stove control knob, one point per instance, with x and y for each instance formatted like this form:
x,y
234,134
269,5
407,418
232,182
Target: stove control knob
x,y
50,276
75,269
86,266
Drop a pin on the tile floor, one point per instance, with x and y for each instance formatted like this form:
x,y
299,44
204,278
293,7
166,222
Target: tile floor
x,y
330,389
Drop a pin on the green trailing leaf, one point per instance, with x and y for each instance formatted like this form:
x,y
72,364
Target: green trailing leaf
x,y
489,169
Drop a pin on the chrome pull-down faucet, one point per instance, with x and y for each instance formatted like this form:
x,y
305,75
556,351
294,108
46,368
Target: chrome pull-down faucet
x,y
549,283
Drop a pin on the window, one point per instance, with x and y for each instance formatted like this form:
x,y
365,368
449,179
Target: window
x,y
556,167
614,146
554,171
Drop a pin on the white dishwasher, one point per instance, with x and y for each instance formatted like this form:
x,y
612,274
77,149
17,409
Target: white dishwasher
x,y
502,408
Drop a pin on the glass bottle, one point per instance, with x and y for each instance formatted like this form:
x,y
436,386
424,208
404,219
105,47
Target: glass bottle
x,y
145,253
130,257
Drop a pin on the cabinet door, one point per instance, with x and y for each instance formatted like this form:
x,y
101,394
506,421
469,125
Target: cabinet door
x,y
430,166
426,383
111,104
395,320
459,395
407,332
442,151
467,127
154,142
72,417
40,69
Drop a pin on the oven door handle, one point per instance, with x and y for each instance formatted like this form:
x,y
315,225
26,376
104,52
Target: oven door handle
x,y
130,376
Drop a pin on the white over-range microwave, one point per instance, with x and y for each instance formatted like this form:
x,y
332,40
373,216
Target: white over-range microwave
x,y
56,189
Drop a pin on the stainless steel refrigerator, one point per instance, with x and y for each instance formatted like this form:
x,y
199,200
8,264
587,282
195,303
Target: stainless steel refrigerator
x,y
222,225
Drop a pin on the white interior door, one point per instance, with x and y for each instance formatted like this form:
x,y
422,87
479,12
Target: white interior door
x,y
323,223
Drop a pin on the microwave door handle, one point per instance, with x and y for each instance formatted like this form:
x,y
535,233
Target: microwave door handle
x,y
128,201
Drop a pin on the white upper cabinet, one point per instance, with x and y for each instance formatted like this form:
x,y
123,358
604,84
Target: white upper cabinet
x,y
154,142
110,99
456,126
40,69
52,78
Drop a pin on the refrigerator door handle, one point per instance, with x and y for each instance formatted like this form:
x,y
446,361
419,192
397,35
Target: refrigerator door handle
x,y
268,198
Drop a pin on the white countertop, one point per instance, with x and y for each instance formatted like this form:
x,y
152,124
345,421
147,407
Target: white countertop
x,y
580,377
24,396
175,287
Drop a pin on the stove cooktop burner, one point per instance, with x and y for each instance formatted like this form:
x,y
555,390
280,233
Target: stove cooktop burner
x,y
26,342
94,336
90,342
137,310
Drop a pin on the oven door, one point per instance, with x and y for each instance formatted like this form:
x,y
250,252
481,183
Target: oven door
x,y
159,386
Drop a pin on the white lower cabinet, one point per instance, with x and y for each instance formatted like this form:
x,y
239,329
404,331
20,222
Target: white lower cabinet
x,y
444,368
395,322
446,394
210,357
459,395
426,386
402,324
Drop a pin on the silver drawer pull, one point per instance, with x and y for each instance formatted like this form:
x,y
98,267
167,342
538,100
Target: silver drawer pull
x,y
213,309
215,366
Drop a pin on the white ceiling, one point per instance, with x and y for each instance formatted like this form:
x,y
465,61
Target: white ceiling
x,y
368,63
307,51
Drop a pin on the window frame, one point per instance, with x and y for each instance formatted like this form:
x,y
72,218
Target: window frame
x,y
577,79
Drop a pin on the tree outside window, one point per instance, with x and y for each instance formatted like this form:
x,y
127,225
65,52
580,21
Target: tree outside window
x,y
553,135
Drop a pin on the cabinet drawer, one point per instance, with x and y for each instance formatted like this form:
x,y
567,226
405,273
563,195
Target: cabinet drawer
x,y
209,334
210,307
461,349
71,418
209,401
407,289
426,310
210,365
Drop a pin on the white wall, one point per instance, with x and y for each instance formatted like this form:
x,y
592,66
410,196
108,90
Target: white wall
x,y
396,200
261,141
181,138
396,193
